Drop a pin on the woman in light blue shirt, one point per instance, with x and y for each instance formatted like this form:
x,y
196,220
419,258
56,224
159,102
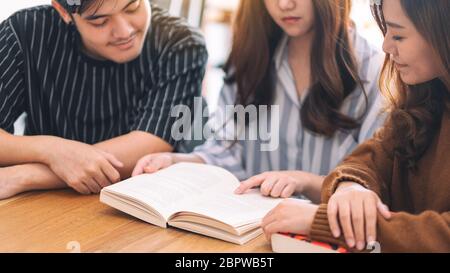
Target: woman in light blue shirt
x,y
306,60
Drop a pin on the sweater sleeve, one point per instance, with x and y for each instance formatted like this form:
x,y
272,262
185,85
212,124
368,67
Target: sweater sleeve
x,y
426,232
404,232
371,166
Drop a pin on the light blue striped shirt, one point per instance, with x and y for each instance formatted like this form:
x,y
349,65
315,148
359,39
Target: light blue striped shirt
x,y
299,149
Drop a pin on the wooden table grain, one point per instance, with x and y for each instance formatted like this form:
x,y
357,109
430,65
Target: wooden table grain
x,y
64,222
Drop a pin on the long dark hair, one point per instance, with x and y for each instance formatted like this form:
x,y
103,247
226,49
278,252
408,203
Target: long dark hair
x,y
333,66
416,111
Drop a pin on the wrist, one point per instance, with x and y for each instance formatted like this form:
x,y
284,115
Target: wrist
x,y
311,217
26,149
35,177
347,184
175,158
41,151
21,177
192,158
308,182
302,181
44,148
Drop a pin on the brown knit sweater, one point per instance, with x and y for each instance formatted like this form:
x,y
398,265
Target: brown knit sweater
x,y
419,200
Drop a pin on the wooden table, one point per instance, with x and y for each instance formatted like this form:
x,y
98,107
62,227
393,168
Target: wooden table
x,y
63,221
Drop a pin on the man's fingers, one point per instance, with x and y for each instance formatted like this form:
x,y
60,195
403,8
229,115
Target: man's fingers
x,y
113,160
99,186
102,179
81,188
110,173
92,186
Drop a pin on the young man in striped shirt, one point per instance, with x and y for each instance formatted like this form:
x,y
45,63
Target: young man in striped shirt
x,y
97,80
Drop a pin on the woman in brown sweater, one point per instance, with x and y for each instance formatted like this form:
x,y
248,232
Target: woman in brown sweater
x,y
406,167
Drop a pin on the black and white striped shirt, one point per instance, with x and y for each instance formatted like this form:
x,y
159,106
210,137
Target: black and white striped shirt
x,y
65,93
298,149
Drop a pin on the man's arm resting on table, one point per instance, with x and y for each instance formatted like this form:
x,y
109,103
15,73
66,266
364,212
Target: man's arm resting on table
x,y
132,147
15,150
128,149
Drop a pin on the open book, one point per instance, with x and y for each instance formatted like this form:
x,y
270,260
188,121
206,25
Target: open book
x,y
194,197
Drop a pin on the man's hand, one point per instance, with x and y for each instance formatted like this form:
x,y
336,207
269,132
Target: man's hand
x,y
53,163
83,167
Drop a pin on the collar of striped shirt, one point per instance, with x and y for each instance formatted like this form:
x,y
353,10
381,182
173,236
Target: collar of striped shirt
x,y
284,73
299,149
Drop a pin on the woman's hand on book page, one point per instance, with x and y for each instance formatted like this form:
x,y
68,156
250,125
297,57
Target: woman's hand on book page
x,y
290,216
156,162
153,163
356,209
277,184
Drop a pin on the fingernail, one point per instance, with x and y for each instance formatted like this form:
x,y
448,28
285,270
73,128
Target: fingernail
x,y
351,243
370,239
336,233
360,246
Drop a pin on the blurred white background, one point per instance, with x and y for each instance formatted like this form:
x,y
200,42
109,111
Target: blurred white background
x,y
9,7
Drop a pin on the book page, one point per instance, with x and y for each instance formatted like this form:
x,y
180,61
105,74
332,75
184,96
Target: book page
x,y
167,189
234,210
